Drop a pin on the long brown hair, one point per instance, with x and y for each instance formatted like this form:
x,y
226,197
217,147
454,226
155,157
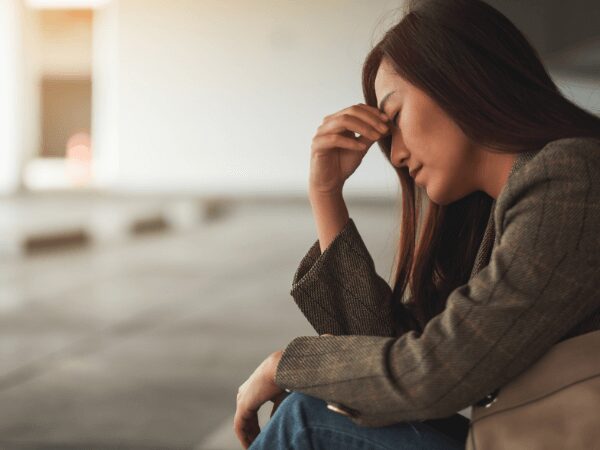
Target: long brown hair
x,y
481,70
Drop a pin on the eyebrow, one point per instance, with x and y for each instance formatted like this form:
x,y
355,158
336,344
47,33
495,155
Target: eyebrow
x,y
384,100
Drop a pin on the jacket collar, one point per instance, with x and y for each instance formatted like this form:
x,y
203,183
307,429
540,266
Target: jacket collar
x,y
521,159
489,235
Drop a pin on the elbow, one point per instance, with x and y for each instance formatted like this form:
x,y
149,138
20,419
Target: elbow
x,y
449,404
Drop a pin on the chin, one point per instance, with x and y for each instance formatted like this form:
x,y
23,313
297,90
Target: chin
x,y
440,196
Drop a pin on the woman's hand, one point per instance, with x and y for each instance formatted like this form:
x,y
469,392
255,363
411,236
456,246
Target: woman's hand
x,y
259,388
336,152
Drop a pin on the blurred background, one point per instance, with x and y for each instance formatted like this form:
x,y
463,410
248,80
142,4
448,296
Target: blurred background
x,y
154,160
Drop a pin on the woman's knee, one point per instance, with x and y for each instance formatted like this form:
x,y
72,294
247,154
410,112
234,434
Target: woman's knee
x,y
291,418
305,422
299,405
302,422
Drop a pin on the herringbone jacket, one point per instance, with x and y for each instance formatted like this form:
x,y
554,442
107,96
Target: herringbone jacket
x,y
535,282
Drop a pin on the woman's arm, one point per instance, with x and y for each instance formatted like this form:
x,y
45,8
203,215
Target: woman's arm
x,y
330,214
541,281
336,285
340,292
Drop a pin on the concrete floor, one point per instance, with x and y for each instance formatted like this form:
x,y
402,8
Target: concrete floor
x,y
142,344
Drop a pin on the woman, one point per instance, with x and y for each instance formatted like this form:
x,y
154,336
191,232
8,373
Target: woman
x,y
506,263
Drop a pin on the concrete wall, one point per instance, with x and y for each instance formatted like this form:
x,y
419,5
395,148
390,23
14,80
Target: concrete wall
x,y
583,91
225,97
207,96
11,94
552,25
19,91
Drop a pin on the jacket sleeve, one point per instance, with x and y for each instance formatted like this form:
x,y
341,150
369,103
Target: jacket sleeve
x,y
340,292
542,279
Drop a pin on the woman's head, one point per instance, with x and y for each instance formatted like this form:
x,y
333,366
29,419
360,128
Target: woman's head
x,y
469,88
424,137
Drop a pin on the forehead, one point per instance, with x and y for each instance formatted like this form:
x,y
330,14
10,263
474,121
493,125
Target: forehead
x,y
386,80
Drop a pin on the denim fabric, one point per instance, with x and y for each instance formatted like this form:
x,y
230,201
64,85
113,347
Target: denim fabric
x,y
302,422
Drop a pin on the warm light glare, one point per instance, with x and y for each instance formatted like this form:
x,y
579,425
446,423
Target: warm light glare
x,y
79,159
66,4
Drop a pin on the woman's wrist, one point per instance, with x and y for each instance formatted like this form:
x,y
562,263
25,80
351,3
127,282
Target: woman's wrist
x,y
330,214
275,357
315,194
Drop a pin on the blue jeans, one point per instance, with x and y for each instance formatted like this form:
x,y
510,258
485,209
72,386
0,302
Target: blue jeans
x,y
302,422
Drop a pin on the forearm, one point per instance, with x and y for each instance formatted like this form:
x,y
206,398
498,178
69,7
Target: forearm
x,y
330,214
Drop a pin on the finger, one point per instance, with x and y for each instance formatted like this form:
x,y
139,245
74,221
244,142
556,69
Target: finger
x,y
374,110
365,140
356,124
245,434
348,124
330,141
249,431
240,427
380,116
252,428
366,113
376,114
245,424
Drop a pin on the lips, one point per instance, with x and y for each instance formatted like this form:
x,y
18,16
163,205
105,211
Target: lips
x,y
415,171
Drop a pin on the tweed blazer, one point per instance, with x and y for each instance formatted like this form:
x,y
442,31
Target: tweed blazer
x,y
535,282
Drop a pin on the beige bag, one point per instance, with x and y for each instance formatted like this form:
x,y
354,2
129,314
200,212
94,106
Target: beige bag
x,y
553,405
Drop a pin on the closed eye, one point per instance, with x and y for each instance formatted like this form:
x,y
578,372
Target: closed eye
x,y
394,119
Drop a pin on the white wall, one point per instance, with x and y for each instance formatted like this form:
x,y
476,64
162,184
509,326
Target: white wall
x,y
225,96
583,91
105,91
32,68
19,91
11,90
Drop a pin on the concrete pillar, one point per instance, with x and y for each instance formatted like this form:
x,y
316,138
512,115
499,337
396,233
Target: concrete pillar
x,y
11,94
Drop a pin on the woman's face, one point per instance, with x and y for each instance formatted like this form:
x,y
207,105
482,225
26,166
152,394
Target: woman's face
x,y
423,135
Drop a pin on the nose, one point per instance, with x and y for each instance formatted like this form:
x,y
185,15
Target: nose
x,y
399,156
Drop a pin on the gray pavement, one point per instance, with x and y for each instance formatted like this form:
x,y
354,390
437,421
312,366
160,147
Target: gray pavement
x,y
142,343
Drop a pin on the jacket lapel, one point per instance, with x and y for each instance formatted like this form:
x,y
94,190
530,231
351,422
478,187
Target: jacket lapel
x,y
489,235
487,243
